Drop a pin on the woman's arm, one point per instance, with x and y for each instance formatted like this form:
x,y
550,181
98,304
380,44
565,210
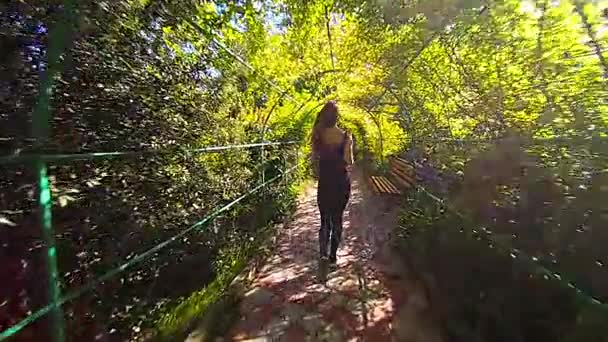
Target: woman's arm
x,y
348,150
314,161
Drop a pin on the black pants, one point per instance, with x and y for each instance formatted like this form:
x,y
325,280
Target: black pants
x,y
331,207
331,230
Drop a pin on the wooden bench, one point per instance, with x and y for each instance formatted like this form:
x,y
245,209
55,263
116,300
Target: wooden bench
x,y
401,177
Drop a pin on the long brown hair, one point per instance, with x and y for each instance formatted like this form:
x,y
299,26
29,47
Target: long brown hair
x,y
327,118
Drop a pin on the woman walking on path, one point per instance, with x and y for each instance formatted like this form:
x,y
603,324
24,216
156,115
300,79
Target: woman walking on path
x,y
332,152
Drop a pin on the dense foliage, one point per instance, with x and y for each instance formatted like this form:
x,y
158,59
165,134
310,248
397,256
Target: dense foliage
x,y
179,75
128,85
485,292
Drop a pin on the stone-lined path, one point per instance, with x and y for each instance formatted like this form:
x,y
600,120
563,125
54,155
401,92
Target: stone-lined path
x,y
365,298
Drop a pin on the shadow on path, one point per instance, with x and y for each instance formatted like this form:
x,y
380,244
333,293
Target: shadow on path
x,y
291,299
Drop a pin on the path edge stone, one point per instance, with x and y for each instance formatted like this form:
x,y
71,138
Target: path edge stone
x,y
201,330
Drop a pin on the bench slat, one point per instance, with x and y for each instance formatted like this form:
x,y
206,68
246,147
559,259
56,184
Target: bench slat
x,y
385,189
406,168
406,177
403,171
374,185
404,162
401,176
390,186
383,185
401,181
377,185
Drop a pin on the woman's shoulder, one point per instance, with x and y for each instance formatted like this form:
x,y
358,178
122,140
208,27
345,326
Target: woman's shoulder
x,y
332,132
333,136
344,133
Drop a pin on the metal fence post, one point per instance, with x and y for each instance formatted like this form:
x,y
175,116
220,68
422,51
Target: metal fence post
x,y
54,286
41,130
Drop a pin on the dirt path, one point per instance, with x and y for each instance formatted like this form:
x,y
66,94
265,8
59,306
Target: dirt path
x,y
366,298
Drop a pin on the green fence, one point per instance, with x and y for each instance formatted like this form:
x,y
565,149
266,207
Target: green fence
x,y
38,161
56,298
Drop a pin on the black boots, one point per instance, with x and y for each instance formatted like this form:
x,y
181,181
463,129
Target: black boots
x,y
330,234
333,249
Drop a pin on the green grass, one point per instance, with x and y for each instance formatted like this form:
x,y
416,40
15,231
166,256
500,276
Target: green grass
x,y
215,306
176,322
